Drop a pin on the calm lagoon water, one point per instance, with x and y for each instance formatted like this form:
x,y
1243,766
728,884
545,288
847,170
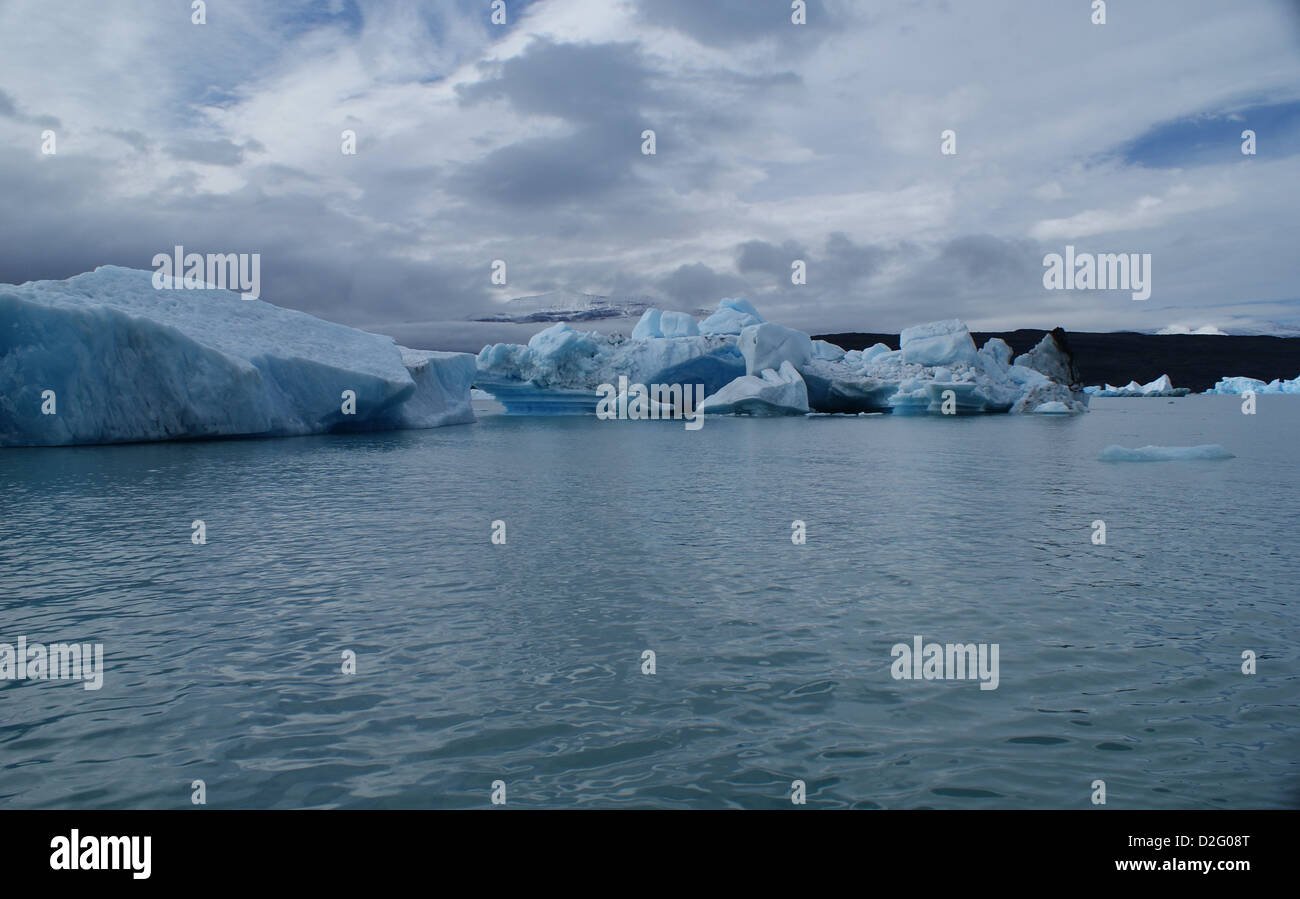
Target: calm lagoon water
x,y
522,662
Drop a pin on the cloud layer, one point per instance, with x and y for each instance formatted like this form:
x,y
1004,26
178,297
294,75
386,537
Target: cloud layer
x,y
774,142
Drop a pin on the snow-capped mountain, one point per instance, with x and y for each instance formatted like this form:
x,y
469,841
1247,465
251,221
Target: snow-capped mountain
x,y
566,306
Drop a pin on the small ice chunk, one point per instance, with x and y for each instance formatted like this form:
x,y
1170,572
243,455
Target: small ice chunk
x,y
1210,451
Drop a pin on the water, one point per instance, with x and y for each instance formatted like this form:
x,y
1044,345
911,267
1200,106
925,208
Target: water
x,y
522,663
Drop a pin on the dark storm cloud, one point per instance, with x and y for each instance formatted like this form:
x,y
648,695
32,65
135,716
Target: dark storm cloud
x,y
9,109
697,285
478,145
761,257
838,265
599,89
985,259
846,262
608,94
544,171
847,279
726,23
313,257
579,82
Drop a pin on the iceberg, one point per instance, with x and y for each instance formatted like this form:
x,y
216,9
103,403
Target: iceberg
x,y
1161,386
1052,356
1208,451
827,351
662,323
768,345
561,369
1237,386
774,392
835,387
442,390
996,351
104,357
937,369
1048,374
938,343
732,317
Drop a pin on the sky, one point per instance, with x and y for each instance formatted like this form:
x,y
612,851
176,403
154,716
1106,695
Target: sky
x,y
774,141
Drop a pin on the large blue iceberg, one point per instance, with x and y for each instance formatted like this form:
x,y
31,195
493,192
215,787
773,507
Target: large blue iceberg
x,y
749,365
104,357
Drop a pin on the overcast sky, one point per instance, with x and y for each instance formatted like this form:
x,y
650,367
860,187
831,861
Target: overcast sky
x,y
775,142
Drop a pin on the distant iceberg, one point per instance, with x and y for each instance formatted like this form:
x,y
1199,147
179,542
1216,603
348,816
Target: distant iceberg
x,y
936,369
1161,386
104,357
1186,330
1208,451
1238,386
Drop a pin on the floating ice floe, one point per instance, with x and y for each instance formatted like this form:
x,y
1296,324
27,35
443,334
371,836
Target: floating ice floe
x,y
104,357
1208,451
1161,386
1238,386
937,368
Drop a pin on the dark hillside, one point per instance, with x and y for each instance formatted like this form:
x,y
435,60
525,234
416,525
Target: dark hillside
x,y
1193,361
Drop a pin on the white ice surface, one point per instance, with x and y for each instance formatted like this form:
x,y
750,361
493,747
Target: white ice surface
x,y
1162,386
1208,451
127,362
780,392
1237,386
732,317
827,351
560,369
768,345
664,323
938,343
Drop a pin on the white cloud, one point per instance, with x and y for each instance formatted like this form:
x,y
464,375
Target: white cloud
x,y
769,141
